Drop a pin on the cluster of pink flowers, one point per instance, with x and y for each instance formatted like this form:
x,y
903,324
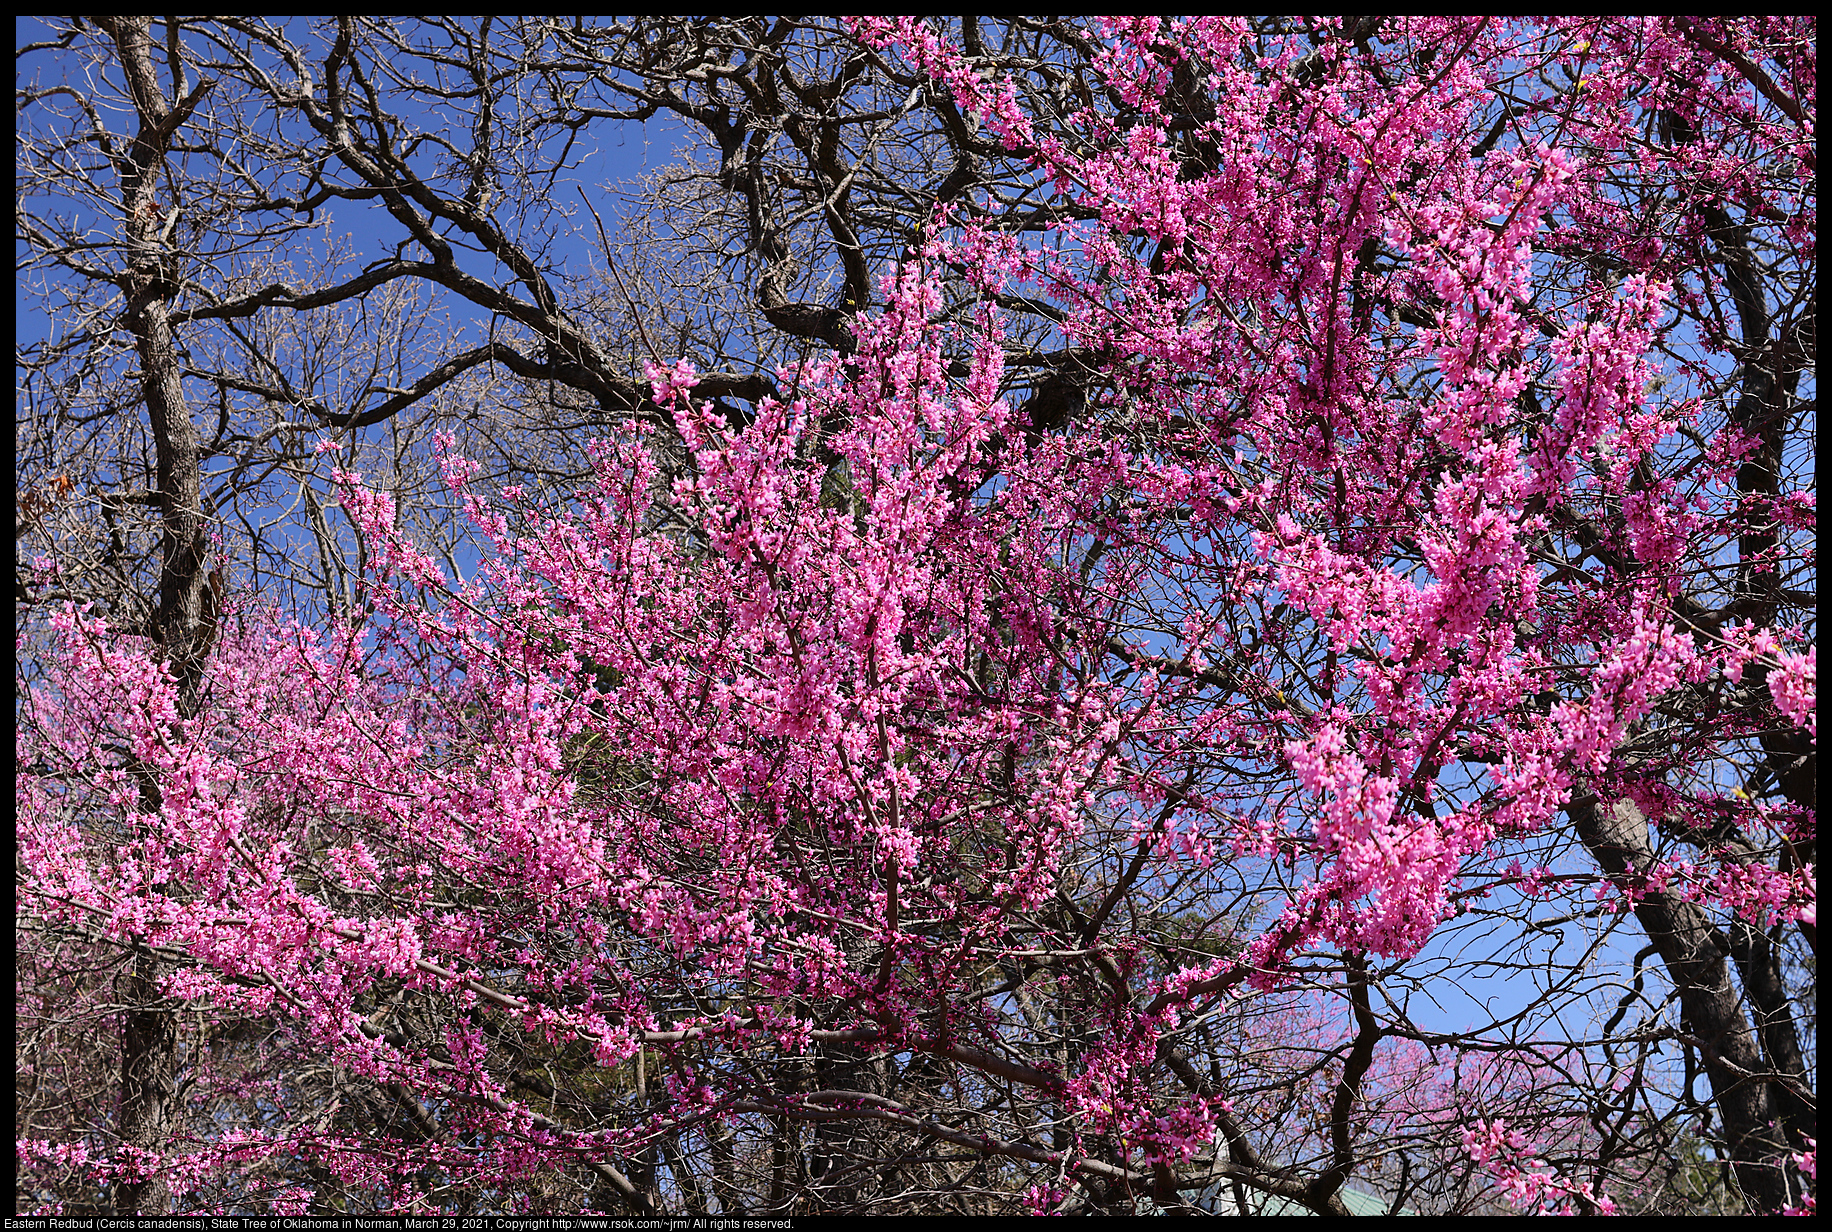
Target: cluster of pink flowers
x,y
1509,1157
821,759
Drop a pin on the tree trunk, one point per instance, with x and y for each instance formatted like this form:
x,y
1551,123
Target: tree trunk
x,y
1711,1006
149,1045
149,1039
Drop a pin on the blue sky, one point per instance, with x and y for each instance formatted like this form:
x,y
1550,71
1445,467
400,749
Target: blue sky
x,y
612,154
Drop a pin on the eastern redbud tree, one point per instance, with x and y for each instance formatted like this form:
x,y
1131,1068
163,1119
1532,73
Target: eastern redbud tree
x,y
889,799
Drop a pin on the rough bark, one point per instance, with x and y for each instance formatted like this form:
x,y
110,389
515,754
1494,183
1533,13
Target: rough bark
x,y
1711,1005
149,1038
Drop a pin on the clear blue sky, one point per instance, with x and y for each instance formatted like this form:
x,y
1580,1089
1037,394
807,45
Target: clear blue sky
x,y
610,154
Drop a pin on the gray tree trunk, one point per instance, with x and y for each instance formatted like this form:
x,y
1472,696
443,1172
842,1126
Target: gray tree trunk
x,y
149,1037
1711,1006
